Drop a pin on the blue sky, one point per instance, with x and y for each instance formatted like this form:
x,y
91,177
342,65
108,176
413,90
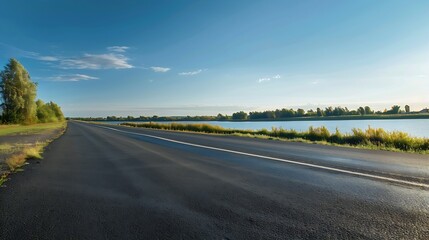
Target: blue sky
x,y
208,57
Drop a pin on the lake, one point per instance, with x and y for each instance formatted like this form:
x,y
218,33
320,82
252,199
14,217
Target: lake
x,y
415,127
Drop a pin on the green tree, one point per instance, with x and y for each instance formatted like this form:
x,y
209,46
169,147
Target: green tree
x,y
319,112
300,112
394,110
239,115
368,110
56,110
407,108
18,94
49,112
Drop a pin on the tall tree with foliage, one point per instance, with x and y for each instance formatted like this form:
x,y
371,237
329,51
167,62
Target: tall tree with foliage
x,y
18,94
394,110
49,112
239,115
407,108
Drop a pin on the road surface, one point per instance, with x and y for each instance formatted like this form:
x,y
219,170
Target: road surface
x,y
128,183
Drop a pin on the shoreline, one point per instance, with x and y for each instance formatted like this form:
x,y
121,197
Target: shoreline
x,y
331,118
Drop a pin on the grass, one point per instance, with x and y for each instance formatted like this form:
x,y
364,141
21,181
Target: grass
x,y
22,152
8,130
371,138
32,152
3,178
6,148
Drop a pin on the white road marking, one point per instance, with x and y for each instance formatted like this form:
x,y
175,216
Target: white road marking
x,y
417,184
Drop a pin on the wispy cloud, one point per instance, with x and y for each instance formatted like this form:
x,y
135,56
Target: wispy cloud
x,y
114,59
191,73
120,49
96,61
261,80
160,69
267,79
71,78
47,58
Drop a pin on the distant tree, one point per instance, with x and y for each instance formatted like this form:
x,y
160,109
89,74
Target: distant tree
x,y
368,110
407,109
222,117
311,112
361,110
394,110
319,112
239,115
300,112
18,94
270,114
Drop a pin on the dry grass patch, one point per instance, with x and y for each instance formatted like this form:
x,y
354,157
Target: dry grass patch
x,y
6,148
16,161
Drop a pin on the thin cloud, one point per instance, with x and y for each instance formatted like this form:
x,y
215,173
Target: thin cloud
x,y
191,73
111,60
160,69
261,80
119,49
267,79
72,78
48,58
96,61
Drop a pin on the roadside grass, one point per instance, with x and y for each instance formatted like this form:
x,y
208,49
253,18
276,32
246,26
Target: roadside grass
x,y
3,178
371,138
24,152
6,148
7,130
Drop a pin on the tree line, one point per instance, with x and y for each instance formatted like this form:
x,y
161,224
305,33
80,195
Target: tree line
x,y
277,114
18,98
319,112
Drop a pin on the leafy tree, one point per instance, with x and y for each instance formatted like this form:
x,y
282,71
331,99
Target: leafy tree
x,y
311,112
300,112
368,110
361,110
56,110
239,115
49,112
319,112
394,110
407,108
18,94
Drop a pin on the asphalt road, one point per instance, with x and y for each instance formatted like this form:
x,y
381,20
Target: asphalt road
x,y
128,183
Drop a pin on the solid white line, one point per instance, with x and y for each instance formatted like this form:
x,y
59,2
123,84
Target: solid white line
x,y
279,159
